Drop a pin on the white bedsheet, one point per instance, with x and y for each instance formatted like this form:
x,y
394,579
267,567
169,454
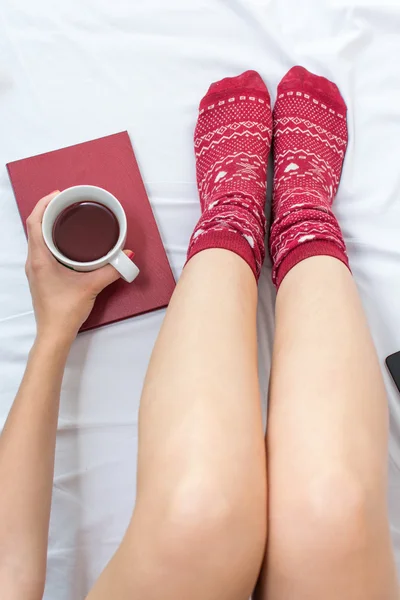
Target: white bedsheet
x,y
76,70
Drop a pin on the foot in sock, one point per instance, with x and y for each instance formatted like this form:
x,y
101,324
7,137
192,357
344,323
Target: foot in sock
x,y
232,143
310,140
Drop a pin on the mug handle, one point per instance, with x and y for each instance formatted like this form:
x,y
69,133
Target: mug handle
x,y
125,267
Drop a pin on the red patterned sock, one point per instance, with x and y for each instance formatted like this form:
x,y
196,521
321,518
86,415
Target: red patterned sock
x,y
309,145
232,143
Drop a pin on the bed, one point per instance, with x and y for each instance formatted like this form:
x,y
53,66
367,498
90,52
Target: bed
x,y
77,70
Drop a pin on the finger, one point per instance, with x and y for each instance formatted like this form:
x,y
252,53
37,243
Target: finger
x,y
38,212
34,221
36,245
107,275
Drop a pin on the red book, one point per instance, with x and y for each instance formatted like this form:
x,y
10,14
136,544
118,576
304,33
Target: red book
x,y
110,163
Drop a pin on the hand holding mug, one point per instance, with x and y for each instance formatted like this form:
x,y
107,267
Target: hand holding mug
x,y
62,298
88,239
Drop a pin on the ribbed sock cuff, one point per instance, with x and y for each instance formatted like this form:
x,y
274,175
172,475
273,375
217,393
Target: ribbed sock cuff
x,y
306,250
228,240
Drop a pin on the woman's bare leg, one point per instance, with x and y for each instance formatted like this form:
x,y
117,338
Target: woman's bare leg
x,y
328,422
199,526
327,445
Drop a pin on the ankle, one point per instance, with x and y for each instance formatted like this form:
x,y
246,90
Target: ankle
x,y
309,146
232,142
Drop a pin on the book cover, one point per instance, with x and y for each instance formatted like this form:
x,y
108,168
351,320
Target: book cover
x,y
108,162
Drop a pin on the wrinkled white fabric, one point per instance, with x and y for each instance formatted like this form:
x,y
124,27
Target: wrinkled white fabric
x,y
73,71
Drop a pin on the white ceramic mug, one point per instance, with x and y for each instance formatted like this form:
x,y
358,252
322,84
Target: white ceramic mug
x,y
115,256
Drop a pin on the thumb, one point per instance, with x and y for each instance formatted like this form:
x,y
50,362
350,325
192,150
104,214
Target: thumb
x,y
107,275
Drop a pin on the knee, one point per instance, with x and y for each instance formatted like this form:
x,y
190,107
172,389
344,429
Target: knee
x,y
199,526
333,516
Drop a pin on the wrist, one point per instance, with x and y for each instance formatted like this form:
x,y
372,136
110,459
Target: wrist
x,y
49,354
60,341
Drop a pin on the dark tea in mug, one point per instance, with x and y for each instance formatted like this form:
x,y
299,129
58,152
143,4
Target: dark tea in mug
x,y
85,231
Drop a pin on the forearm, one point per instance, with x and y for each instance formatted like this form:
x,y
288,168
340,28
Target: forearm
x,y
27,447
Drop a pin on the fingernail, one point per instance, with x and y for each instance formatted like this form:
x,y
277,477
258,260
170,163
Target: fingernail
x,y
130,254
